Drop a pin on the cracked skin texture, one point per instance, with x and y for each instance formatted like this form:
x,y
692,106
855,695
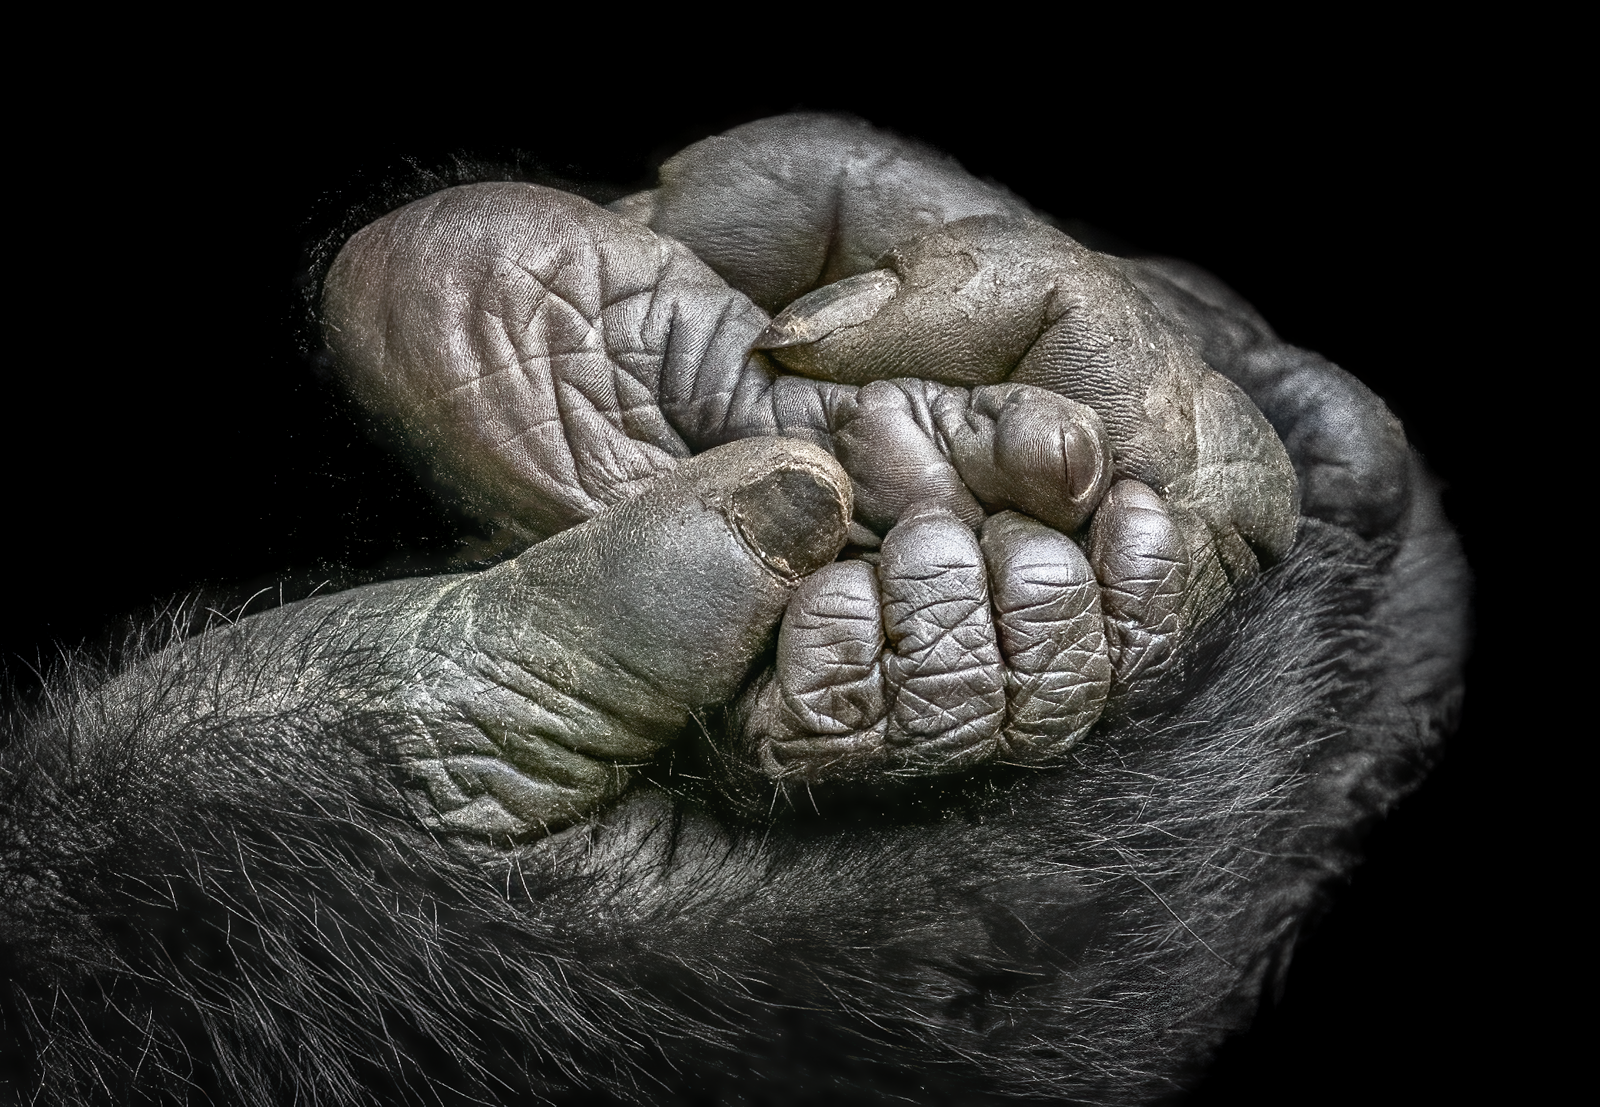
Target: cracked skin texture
x,y
543,355
547,359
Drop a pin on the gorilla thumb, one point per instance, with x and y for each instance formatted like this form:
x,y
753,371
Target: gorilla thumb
x,y
534,687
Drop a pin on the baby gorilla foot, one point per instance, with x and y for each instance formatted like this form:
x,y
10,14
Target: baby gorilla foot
x,y
911,444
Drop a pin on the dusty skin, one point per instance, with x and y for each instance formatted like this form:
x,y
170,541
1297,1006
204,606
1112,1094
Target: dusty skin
x,y
545,357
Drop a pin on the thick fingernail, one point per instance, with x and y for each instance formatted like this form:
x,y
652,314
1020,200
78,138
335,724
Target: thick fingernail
x,y
1056,455
792,505
815,315
792,518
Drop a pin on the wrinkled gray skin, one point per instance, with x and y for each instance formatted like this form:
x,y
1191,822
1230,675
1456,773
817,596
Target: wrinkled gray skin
x,y
522,696
1047,485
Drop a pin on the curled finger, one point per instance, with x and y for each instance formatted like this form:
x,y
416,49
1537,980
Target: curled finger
x,y
1140,556
1052,636
822,714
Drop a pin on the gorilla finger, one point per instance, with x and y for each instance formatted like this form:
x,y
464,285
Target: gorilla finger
x,y
683,585
1052,636
1025,448
945,680
889,440
909,444
960,304
823,716
1140,556
1243,484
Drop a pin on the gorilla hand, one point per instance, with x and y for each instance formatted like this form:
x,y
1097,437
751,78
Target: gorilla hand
x,y
1022,673
888,260
544,357
538,683
784,206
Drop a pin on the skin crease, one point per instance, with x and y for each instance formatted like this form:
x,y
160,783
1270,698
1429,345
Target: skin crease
x,y
404,314
287,483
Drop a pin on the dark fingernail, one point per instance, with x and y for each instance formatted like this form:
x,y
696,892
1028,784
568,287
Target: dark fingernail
x,y
794,518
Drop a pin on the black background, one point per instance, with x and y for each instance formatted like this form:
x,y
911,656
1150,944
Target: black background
x,y
167,432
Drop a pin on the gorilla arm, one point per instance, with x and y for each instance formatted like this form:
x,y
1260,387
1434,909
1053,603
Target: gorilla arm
x,y
503,703
521,697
